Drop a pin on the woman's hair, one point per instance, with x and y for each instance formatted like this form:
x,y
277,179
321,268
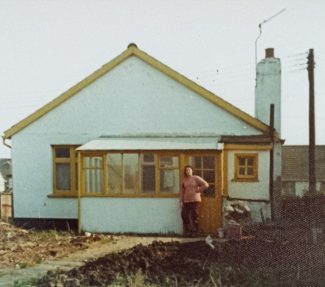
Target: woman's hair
x,y
188,166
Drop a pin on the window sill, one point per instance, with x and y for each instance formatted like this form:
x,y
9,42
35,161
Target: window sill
x,y
114,196
62,195
132,195
245,180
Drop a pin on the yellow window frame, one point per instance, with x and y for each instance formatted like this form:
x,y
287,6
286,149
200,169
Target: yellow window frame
x,y
246,176
72,160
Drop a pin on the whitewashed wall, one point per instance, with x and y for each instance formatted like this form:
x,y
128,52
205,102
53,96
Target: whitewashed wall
x,y
138,215
258,190
268,91
132,98
250,190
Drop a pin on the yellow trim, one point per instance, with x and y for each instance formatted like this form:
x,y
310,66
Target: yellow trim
x,y
247,147
71,160
225,173
134,51
136,195
80,188
65,195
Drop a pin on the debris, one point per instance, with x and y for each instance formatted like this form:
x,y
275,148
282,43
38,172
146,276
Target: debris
x,y
209,241
20,247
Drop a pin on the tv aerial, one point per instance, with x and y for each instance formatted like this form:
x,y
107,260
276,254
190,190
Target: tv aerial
x,y
260,27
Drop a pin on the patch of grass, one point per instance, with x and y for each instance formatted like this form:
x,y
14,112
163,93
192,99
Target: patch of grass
x,y
50,234
25,283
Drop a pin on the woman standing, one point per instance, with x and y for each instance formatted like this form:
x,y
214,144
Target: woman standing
x,y
190,200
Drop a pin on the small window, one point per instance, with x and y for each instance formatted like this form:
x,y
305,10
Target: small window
x,y
65,170
246,167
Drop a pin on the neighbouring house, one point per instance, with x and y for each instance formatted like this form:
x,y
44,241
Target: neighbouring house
x,y
5,175
5,189
295,170
109,153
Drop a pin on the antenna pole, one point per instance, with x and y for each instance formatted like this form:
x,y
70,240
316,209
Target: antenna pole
x,y
260,27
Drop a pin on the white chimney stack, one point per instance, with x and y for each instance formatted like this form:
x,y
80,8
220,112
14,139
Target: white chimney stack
x,y
268,89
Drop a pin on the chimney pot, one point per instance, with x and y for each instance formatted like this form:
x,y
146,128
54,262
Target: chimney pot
x,y
269,53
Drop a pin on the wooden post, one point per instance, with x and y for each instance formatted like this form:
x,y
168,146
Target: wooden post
x,y
271,177
312,176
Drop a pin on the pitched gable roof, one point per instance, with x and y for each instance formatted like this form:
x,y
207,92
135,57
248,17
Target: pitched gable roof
x,y
133,50
295,165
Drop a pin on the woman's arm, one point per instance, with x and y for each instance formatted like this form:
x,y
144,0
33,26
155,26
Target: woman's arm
x,y
201,183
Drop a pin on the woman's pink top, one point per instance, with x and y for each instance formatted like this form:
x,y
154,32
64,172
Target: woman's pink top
x,y
192,187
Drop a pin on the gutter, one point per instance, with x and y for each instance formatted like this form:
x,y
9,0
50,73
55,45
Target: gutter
x,y
4,142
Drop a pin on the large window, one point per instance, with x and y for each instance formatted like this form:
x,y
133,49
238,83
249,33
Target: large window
x,y
246,168
65,170
131,174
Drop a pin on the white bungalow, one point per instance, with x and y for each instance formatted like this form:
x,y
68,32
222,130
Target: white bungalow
x,y
109,153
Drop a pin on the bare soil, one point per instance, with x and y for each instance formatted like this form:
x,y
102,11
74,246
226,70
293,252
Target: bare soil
x,y
263,259
20,248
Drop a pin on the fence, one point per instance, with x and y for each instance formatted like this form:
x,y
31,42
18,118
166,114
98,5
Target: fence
x,y
5,206
304,209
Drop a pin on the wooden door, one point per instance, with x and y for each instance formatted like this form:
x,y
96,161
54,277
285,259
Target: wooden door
x,y
208,167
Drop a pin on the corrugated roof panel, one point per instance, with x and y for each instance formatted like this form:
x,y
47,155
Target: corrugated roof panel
x,y
152,143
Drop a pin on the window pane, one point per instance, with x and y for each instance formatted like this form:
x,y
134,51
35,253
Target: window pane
x,y
77,177
169,174
167,162
250,171
148,157
242,161
114,173
131,173
209,175
148,178
198,172
250,161
196,162
148,174
169,180
63,180
242,170
93,173
208,162
62,152
93,162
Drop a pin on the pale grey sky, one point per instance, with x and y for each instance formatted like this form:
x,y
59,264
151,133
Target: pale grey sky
x,y
48,46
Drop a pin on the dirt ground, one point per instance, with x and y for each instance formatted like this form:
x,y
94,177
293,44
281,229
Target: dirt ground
x,y
251,262
263,257
20,248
